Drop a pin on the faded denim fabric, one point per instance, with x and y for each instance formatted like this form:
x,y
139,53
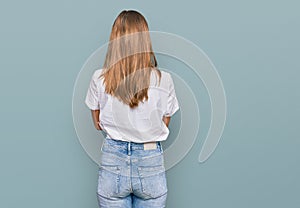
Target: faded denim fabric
x,y
130,176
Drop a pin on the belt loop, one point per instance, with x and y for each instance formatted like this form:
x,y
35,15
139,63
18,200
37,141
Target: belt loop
x,y
129,148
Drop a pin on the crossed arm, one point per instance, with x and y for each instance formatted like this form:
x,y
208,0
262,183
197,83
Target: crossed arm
x,y
96,113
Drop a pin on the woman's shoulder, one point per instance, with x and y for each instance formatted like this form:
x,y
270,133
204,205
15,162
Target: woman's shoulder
x,y
165,77
97,73
97,79
96,76
165,74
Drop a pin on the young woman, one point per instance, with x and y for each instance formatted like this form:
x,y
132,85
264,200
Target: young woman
x,y
131,101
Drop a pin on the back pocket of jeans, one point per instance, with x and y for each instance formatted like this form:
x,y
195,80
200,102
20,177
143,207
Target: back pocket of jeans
x,y
153,181
108,180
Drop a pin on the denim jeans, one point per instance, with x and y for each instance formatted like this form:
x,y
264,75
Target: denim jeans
x,y
130,176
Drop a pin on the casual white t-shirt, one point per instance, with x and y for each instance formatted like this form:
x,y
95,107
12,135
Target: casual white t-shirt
x,y
141,124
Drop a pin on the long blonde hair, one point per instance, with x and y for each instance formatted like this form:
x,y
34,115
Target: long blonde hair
x,y
129,59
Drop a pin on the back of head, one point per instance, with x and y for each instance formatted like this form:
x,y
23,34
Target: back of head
x,y
130,59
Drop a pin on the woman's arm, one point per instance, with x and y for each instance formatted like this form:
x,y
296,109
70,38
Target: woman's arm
x,y
166,120
95,116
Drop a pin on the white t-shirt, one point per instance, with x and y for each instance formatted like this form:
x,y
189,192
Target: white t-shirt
x,y
141,124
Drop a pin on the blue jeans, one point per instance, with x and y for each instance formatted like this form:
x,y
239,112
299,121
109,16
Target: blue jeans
x,y
130,176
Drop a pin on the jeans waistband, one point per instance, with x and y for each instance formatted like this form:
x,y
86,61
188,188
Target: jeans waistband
x,y
130,145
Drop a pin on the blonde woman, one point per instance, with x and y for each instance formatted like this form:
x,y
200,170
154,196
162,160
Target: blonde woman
x,y
131,101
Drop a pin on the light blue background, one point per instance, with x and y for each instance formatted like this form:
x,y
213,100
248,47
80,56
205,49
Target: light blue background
x,y
255,48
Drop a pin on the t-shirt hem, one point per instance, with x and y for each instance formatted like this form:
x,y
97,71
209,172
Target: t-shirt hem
x,y
137,141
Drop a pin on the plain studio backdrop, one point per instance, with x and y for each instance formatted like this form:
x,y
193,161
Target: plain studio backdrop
x,y
254,46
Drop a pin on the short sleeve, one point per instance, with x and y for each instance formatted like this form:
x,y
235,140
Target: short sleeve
x,y
92,96
172,102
